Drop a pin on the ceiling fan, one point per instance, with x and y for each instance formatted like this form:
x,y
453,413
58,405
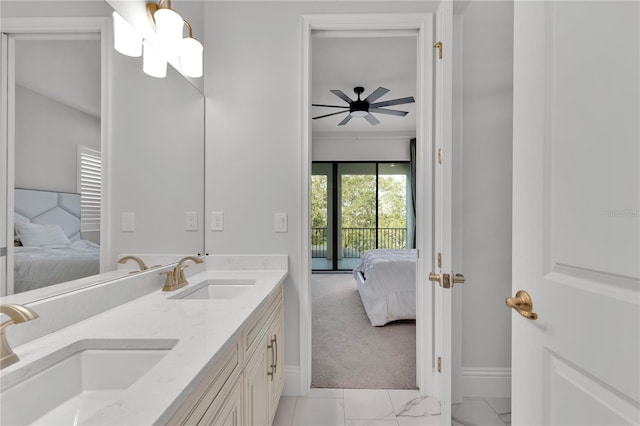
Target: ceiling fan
x,y
364,108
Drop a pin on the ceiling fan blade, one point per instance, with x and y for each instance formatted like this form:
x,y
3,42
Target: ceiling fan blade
x,y
371,119
330,106
378,93
345,121
398,101
329,115
341,95
389,111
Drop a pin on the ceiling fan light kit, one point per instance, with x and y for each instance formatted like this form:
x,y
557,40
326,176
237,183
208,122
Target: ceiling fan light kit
x,y
363,108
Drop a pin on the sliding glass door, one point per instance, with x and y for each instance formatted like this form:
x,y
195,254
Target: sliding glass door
x,y
356,207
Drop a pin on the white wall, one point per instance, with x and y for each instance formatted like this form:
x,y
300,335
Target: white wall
x,y
157,164
360,148
253,129
47,135
485,209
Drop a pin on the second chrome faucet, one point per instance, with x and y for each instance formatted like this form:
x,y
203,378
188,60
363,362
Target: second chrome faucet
x,y
176,278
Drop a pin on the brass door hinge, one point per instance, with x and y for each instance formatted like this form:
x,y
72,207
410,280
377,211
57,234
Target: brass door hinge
x,y
439,155
439,364
439,260
438,46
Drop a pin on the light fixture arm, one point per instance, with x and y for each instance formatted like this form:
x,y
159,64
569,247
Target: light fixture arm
x,y
189,28
153,8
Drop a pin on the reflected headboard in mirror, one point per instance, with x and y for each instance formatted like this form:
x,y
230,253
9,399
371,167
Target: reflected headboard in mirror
x,y
49,248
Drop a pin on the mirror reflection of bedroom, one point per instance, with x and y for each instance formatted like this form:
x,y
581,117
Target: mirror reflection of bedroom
x,y
363,256
57,158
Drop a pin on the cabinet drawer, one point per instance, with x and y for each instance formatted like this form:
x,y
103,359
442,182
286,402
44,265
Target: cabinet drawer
x,y
257,325
197,403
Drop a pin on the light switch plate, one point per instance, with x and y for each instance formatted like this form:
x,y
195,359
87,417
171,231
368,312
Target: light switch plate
x,y
217,221
128,222
191,219
280,222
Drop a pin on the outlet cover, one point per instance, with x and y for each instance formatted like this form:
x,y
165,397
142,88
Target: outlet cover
x,y
191,219
217,221
280,222
128,222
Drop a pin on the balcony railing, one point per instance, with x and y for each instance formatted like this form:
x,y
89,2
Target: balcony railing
x,y
356,241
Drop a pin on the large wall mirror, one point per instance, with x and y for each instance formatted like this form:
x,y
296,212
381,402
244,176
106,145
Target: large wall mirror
x,y
72,105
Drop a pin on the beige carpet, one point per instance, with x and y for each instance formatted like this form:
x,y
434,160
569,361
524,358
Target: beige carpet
x,y
348,352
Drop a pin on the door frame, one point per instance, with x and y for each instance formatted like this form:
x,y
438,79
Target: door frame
x,y
61,27
422,24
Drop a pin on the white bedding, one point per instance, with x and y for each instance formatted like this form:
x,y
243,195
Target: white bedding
x,y
387,284
36,267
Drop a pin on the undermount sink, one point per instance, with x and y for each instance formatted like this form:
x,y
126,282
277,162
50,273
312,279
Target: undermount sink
x,y
70,385
216,289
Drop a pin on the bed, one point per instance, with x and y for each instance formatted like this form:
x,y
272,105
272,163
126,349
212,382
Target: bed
x,y
48,247
387,285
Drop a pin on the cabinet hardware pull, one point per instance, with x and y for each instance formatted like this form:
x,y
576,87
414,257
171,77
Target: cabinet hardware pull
x,y
274,355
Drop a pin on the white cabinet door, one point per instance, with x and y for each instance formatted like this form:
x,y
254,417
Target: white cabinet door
x,y
575,217
275,358
230,413
255,387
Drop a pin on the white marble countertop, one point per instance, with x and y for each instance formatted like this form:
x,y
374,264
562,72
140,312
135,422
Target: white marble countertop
x,y
201,327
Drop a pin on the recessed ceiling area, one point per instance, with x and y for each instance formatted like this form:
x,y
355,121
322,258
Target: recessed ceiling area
x,y
345,61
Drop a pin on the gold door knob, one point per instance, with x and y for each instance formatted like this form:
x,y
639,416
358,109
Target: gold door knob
x,y
434,277
523,304
458,279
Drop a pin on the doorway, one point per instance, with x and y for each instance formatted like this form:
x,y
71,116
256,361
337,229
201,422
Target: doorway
x,y
418,26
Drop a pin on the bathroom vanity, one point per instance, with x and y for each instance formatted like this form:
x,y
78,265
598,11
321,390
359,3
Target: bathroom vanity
x,y
209,353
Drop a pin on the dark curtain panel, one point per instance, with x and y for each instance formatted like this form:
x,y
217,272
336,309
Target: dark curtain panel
x,y
412,159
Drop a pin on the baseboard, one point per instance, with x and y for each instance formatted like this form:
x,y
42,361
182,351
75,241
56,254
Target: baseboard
x,y
476,382
486,382
291,380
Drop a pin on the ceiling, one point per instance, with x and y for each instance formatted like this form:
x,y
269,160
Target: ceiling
x,y
344,61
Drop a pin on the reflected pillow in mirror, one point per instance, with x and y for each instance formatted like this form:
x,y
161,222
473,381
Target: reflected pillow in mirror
x,y
37,235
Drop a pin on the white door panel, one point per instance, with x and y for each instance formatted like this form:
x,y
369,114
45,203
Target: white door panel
x,y
576,233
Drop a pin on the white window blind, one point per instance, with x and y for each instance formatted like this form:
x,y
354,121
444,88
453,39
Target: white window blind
x,y
90,188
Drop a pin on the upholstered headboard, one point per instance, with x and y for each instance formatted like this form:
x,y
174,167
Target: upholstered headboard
x,y
36,206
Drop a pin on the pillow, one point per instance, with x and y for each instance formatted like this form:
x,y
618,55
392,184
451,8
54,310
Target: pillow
x,y
35,234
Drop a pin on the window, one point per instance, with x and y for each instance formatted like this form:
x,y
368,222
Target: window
x,y
370,205
90,188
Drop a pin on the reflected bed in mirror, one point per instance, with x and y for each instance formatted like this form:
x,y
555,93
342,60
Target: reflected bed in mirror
x,y
48,245
149,132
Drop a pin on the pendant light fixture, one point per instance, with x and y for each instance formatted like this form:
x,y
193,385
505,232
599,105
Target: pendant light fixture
x,y
191,55
167,45
168,24
153,62
126,39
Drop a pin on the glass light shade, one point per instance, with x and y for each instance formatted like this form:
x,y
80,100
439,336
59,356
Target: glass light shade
x,y
359,113
169,28
126,39
153,63
191,57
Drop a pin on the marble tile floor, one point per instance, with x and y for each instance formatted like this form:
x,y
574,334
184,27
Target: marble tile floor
x,y
376,407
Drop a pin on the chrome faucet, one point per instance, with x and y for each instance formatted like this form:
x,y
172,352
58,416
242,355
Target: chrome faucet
x,y
18,314
139,261
176,278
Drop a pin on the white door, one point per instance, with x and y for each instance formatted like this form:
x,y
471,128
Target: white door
x,y
576,227
442,165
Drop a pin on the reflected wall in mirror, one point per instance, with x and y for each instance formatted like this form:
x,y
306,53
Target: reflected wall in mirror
x,y
149,133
